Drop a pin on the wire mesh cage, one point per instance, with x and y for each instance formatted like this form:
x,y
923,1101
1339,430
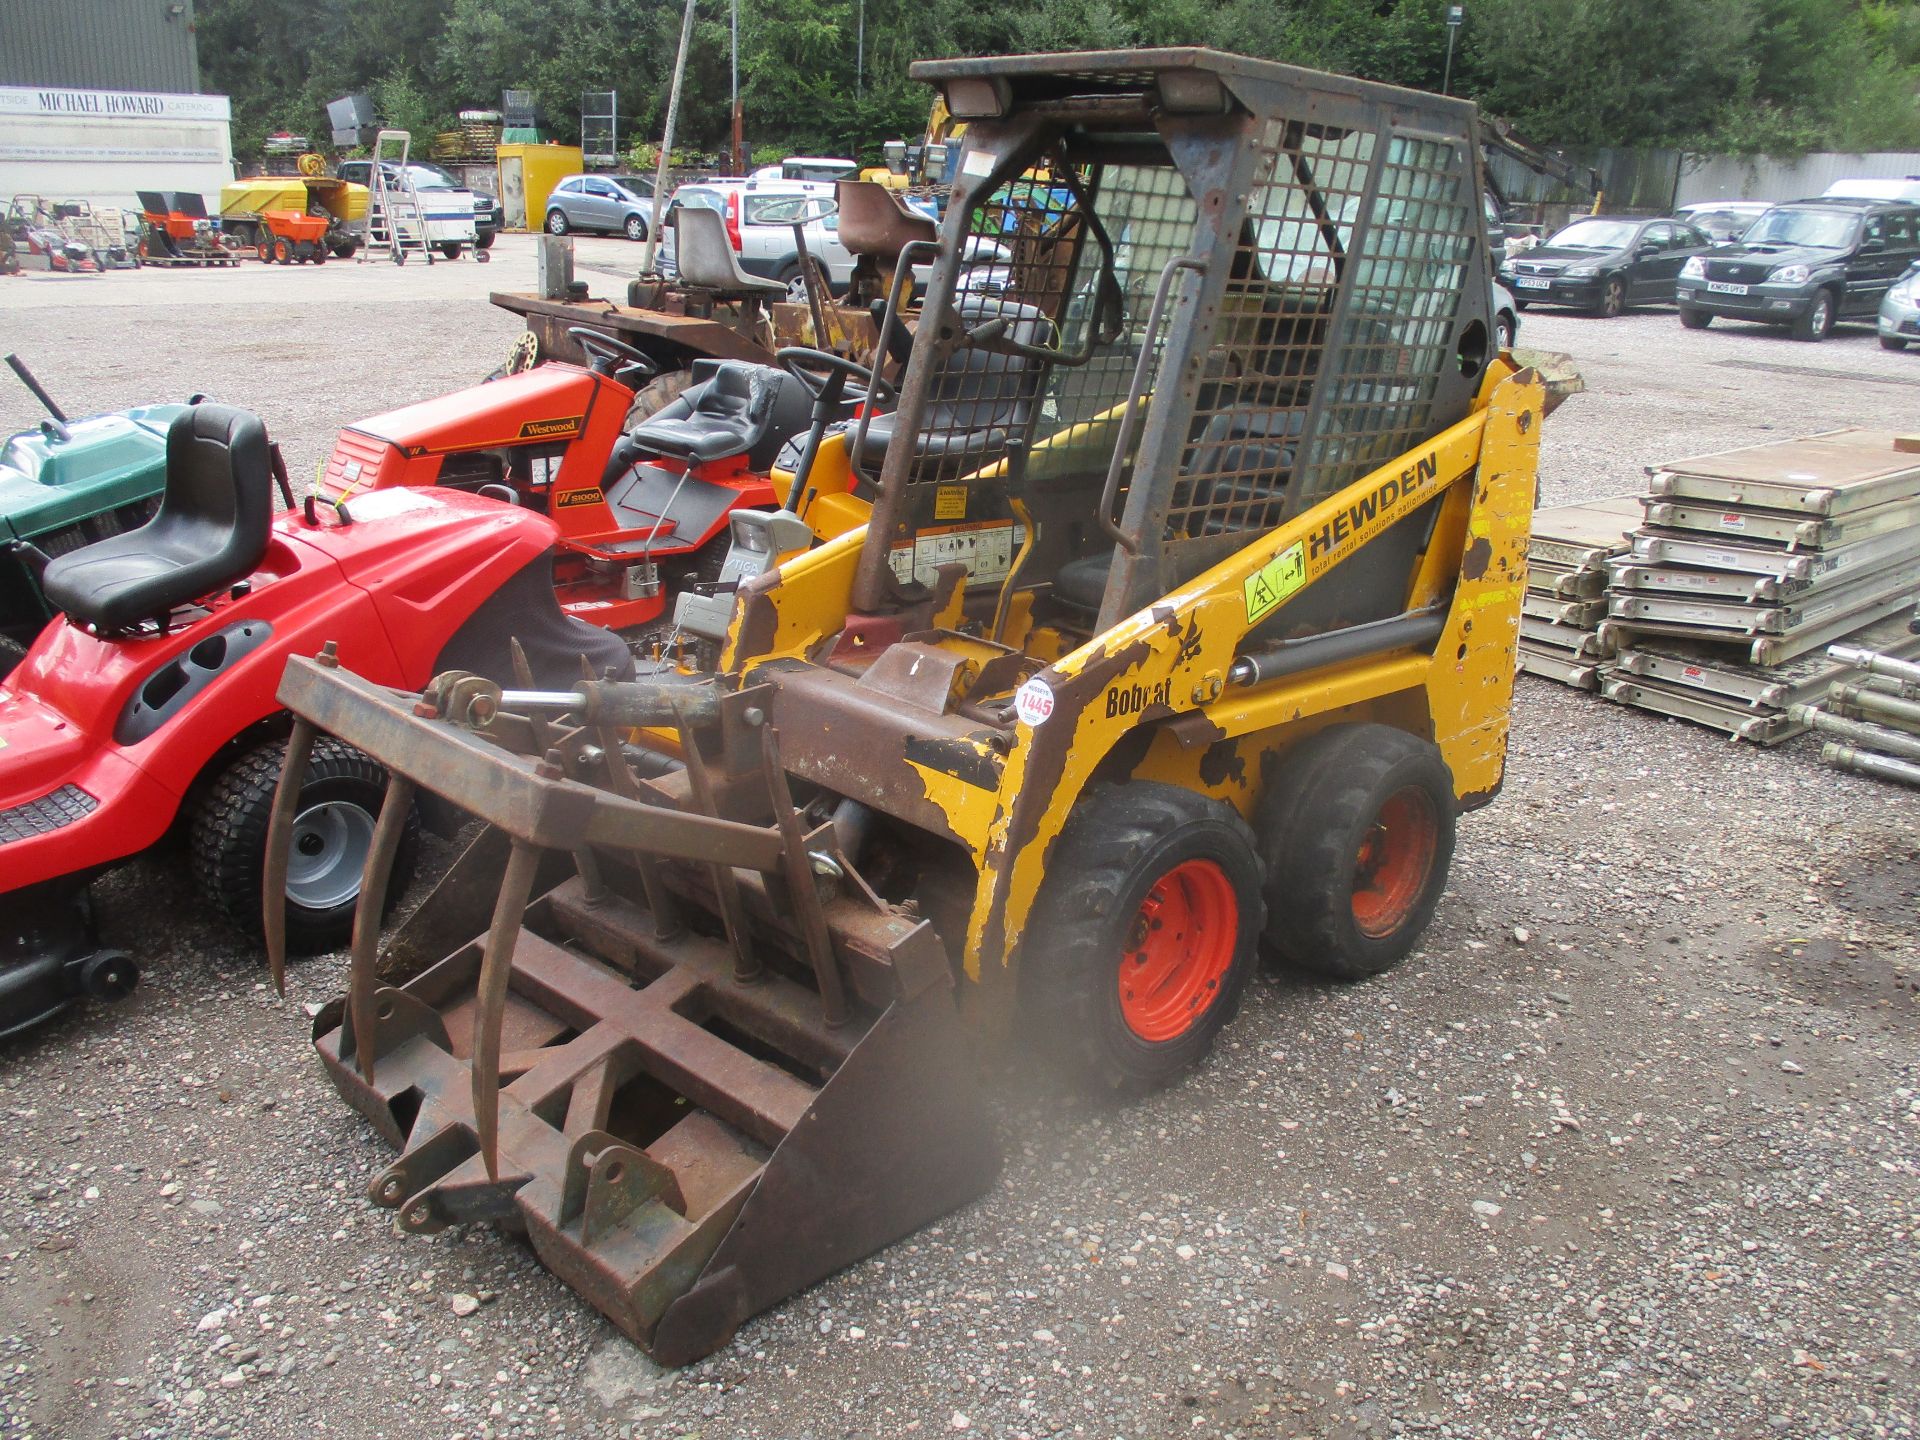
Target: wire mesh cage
x,y
1229,316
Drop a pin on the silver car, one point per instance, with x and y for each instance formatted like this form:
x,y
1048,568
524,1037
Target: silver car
x,y
611,204
760,219
1900,312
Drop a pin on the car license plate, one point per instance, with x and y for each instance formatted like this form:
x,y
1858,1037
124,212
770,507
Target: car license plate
x,y
1721,287
1526,284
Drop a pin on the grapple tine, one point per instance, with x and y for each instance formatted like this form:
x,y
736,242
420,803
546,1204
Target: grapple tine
x,y
496,969
374,878
273,877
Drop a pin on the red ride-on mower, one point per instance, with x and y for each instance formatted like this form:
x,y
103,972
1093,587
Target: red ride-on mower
x,y
643,510
148,706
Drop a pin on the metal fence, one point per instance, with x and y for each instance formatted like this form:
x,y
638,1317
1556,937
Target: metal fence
x,y
1652,182
1760,177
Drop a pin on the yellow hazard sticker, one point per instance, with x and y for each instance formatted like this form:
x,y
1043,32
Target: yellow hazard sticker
x,y
1275,581
950,502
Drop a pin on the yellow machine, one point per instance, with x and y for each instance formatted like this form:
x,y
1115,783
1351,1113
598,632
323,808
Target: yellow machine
x,y
1168,618
245,204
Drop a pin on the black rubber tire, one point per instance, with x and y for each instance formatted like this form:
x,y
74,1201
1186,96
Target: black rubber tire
x,y
1695,319
556,222
1312,822
1892,342
283,251
790,277
1817,323
229,838
1119,841
12,652
485,242
345,249
1613,298
450,249
635,228
1520,304
656,395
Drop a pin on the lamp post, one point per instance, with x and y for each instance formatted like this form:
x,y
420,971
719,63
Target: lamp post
x,y
1456,15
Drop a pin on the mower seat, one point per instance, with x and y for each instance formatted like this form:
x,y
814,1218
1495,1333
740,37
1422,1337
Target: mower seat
x,y
743,409
706,261
875,221
211,529
980,397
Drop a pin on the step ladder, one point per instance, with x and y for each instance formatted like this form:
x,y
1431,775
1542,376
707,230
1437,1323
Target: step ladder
x,y
396,221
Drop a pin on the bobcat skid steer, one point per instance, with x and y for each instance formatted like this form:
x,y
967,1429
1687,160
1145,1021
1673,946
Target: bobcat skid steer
x,y
1180,628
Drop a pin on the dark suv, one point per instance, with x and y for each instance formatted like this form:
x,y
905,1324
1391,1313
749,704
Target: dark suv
x,y
1804,265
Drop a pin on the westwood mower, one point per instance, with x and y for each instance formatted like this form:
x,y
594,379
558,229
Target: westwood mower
x,y
644,512
148,705
1181,626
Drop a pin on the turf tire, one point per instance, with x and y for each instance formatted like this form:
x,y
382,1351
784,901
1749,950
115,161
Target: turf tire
x,y
228,845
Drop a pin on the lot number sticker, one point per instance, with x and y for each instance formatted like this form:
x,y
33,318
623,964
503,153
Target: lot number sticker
x,y
1034,703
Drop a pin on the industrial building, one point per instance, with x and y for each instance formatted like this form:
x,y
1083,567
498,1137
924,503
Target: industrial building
x,y
100,100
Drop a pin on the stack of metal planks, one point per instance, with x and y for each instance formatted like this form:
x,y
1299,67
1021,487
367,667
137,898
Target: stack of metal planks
x,y
1748,562
1566,597
1872,718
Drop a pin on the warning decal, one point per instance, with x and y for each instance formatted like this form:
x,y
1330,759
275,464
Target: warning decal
x,y
1275,581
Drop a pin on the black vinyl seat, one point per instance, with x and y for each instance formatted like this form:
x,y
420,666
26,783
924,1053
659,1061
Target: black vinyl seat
x,y
980,398
743,409
1242,465
211,529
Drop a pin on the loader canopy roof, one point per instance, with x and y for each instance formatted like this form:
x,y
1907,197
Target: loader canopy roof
x,y
1231,288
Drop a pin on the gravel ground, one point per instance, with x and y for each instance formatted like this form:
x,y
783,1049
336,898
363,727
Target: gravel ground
x,y
1628,1149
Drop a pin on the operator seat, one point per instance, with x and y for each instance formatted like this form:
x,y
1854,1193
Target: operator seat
x,y
1240,469
706,261
740,409
981,398
211,530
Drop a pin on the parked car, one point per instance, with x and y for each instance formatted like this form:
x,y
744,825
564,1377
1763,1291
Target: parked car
x,y
489,215
1604,263
760,220
1805,265
614,204
1900,312
1506,316
1722,221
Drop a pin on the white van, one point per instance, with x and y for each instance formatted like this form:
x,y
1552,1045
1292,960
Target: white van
x,y
1907,189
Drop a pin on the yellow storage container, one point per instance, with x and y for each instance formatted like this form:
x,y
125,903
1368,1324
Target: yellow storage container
x,y
528,174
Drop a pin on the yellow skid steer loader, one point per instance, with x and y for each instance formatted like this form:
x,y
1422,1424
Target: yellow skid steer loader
x,y
1169,619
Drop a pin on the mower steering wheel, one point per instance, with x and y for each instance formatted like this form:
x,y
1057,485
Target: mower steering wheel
x,y
817,370
600,346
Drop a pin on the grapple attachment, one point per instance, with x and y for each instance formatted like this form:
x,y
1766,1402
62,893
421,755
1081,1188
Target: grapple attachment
x,y
705,1069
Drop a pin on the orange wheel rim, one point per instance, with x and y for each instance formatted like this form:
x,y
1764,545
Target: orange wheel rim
x,y
1178,951
1396,857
